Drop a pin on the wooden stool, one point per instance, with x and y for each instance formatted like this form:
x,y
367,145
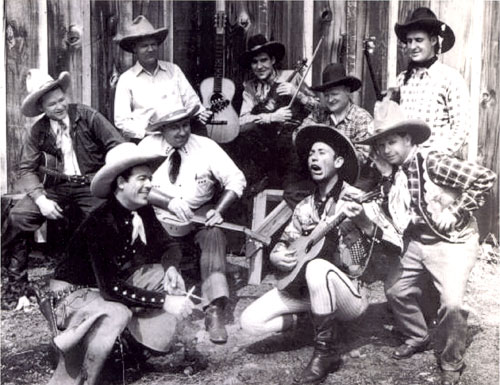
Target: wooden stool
x,y
265,225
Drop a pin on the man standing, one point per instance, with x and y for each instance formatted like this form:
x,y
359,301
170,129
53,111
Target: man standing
x,y
329,284
117,274
430,201
78,137
197,175
150,85
430,90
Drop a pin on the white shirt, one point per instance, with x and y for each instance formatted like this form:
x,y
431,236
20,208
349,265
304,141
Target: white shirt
x,y
65,144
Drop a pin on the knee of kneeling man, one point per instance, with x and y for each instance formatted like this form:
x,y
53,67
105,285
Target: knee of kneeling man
x,y
119,313
249,323
316,268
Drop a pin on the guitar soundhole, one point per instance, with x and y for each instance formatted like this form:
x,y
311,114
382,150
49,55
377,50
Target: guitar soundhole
x,y
218,102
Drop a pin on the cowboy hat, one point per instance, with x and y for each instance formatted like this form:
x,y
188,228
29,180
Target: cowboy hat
x,y
424,19
334,75
38,83
139,29
118,160
342,146
156,122
257,44
390,119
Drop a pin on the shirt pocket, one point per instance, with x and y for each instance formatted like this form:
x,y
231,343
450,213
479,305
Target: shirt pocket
x,y
204,184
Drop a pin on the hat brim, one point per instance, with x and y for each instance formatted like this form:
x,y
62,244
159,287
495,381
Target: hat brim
x,y
417,129
30,106
273,48
127,43
104,178
352,82
341,145
155,127
431,25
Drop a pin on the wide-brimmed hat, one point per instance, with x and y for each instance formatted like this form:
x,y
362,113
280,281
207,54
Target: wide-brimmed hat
x,y
118,160
342,146
156,122
38,83
257,44
424,19
139,29
334,75
389,119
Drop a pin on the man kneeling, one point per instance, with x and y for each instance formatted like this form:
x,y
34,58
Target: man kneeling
x,y
329,284
112,277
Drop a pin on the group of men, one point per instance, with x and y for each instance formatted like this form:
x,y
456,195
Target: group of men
x,y
122,269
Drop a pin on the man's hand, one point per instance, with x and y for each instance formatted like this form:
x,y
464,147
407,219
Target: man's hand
x,y
382,165
213,218
173,283
181,209
281,115
24,304
283,259
179,306
49,208
356,213
205,116
286,89
445,220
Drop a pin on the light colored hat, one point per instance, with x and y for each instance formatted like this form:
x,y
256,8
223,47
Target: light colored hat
x,y
389,119
38,83
118,160
139,29
156,122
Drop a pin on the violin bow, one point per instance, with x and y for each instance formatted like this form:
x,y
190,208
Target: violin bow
x,y
305,74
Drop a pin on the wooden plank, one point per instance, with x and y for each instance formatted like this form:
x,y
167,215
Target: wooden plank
x,y
3,117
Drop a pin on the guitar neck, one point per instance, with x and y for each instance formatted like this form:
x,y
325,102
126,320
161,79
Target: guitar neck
x,y
335,221
219,62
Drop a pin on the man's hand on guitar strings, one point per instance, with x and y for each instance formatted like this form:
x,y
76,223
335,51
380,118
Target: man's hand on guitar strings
x,y
213,218
283,258
181,209
205,116
445,220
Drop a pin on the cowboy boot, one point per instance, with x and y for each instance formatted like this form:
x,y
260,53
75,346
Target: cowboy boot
x,y
326,357
214,322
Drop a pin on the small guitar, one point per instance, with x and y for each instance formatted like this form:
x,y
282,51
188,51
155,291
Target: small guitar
x,y
308,247
217,92
50,172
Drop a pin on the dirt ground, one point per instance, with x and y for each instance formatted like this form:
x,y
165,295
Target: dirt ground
x,y
366,345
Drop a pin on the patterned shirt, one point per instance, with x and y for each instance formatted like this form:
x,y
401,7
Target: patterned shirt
x,y
356,125
139,94
439,96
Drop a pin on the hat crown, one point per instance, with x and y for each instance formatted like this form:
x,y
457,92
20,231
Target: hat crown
x,y
419,14
333,72
140,26
122,151
37,79
387,114
159,117
256,41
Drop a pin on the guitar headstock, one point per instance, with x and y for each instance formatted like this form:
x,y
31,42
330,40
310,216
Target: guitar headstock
x,y
220,20
369,44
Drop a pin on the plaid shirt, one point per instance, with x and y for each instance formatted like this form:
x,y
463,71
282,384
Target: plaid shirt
x,y
439,96
356,125
470,180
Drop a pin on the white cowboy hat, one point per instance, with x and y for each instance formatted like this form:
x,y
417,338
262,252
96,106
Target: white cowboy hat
x,y
139,29
156,122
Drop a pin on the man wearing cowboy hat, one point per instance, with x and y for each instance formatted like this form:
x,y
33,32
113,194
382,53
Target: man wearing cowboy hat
x,y
329,286
78,137
118,273
263,146
431,201
430,90
196,175
151,84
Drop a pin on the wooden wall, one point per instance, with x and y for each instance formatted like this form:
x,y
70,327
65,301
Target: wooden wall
x,y
80,36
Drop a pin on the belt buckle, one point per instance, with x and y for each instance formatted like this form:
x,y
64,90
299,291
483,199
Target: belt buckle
x,y
78,179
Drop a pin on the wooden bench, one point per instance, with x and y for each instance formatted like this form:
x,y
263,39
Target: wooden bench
x,y
266,224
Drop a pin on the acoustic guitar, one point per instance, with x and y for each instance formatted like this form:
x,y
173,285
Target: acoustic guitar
x,y
308,247
50,172
217,92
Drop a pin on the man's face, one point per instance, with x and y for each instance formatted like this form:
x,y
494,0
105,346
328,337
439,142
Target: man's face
x,y
147,52
134,190
54,104
323,162
420,46
177,134
394,148
262,65
336,99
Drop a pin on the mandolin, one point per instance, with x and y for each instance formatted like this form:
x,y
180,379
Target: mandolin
x,y
308,247
217,92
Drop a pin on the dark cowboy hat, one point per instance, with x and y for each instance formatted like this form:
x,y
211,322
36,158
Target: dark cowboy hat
x,y
424,19
118,159
257,44
390,119
342,146
139,29
38,84
334,75
156,122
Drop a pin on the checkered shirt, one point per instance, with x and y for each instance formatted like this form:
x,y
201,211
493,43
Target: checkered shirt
x,y
473,180
439,96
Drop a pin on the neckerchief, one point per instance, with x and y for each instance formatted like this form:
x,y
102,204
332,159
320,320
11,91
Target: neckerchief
x,y
415,65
